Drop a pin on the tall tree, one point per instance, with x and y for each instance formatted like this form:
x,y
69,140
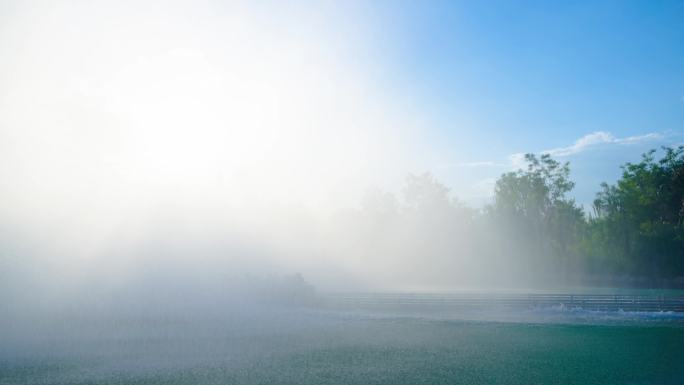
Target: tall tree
x,y
638,225
534,204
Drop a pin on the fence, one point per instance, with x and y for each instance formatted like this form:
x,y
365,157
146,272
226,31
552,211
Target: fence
x,y
604,302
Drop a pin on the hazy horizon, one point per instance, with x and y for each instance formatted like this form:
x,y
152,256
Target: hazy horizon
x,y
245,138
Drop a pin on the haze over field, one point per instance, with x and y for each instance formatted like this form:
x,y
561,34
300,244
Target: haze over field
x,y
196,133
192,143
341,192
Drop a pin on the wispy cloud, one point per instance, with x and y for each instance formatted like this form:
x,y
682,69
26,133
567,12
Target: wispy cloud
x,y
600,138
517,160
593,140
481,187
486,163
484,188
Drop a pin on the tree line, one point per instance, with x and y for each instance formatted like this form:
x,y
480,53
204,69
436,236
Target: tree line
x,y
634,228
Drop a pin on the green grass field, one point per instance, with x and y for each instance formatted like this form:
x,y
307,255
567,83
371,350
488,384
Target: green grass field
x,y
329,348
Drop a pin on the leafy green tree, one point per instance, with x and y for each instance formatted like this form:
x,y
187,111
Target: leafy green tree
x,y
638,222
533,228
533,204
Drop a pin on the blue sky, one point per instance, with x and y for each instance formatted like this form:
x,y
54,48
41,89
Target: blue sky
x,y
327,98
497,78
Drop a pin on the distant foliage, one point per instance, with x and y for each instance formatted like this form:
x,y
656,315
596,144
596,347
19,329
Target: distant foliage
x,y
637,226
543,224
634,231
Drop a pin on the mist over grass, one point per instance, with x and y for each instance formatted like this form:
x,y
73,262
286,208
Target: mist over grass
x,y
164,153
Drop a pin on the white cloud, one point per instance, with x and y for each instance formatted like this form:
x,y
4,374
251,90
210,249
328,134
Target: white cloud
x,y
481,187
516,160
598,138
639,138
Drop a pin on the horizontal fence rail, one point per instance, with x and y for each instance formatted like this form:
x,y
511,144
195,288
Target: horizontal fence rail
x,y
604,302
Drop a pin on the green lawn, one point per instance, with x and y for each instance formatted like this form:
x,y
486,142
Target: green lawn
x,y
358,350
